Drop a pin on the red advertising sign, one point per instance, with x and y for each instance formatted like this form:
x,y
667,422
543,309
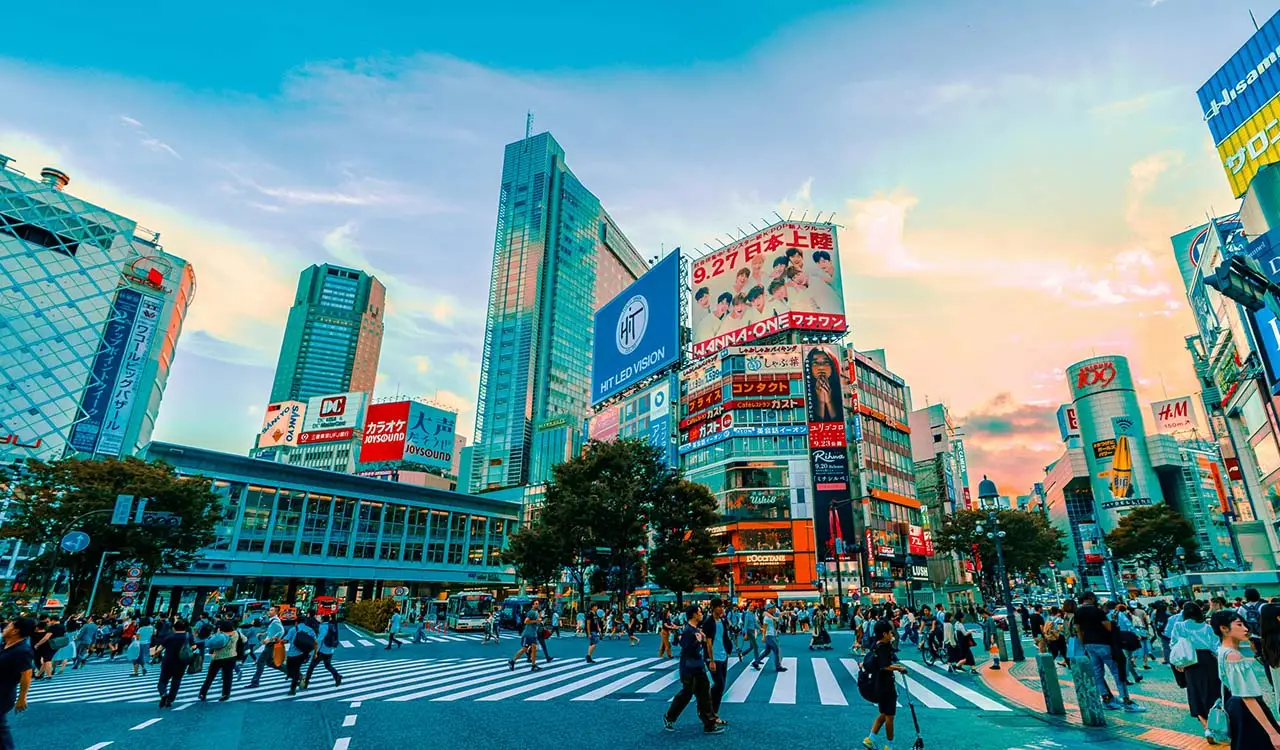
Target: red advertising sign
x,y
385,431
1224,500
827,435
764,403
1233,469
703,400
968,501
766,388
928,544
1095,374
915,540
325,436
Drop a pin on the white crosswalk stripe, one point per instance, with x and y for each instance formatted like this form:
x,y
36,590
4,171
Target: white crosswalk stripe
x,y
813,680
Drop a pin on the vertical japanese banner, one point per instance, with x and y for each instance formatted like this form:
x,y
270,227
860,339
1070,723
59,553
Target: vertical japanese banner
x,y
124,396
386,428
828,449
106,367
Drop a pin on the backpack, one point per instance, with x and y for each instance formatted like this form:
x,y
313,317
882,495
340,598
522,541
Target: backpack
x,y
331,636
205,631
304,641
868,678
130,631
218,641
1253,617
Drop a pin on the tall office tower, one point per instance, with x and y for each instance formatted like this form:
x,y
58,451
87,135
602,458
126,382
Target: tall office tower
x,y
90,312
558,257
334,335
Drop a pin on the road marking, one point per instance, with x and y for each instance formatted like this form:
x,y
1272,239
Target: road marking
x,y
829,692
588,681
614,687
341,743
925,695
349,720
348,644
482,680
363,642
183,707
660,684
579,669
98,746
784,687
977,699
355,704
741,687
146,724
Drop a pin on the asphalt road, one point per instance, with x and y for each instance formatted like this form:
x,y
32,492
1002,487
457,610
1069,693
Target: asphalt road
x,y
461,693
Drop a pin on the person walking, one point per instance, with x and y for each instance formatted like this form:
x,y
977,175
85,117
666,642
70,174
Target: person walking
x,y
990,636
769,627
529,638
273,634
393,630
17,661
86,636
301,640
1200,679
886,687
223,647
177,652
750,627
544,632
693,677
665,630
719,646
1252,723
140,649
594,627
329,642
1094,631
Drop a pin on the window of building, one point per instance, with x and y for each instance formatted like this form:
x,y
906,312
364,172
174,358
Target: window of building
x,y
392,530
315,524
340,529
769,574
368,519
257,514
289,507
229,498
457,538
497,540
764,539
479,532
439,537
419,519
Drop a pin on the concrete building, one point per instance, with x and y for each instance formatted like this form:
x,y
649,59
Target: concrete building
x,y
91,307
333,339
558,257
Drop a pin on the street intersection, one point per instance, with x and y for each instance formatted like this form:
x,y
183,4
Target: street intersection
x,y
388,698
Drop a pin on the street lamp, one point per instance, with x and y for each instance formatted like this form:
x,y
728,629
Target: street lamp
x,y
731,552
987,491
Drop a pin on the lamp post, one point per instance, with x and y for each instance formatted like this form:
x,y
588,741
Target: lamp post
x,y
730,549
987,491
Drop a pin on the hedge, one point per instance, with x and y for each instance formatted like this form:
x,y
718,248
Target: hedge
x,y
372,614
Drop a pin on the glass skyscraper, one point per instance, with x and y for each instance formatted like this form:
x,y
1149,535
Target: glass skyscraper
x,y
334,335
558,257
91,308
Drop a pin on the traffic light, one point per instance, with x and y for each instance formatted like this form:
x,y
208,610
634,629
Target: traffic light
x,y
1243,280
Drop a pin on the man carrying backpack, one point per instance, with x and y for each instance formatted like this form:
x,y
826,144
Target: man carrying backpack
x,y
223,647
876,684
324,653
1251,613
301,640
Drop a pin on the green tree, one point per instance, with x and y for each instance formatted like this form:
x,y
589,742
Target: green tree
x,y
682,555
1030,541
536,554
1151,535
49,499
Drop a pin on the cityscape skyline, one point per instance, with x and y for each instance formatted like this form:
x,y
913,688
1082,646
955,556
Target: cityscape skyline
x,y
924,249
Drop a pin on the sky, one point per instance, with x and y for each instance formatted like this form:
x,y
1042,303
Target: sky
x,y
1006,176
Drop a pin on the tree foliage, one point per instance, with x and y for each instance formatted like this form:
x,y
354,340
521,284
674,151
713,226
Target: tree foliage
x,y
49,499
598,513
682,555
1030,541
1151,535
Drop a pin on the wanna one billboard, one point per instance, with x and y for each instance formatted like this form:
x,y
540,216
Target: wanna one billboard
x,y
784,278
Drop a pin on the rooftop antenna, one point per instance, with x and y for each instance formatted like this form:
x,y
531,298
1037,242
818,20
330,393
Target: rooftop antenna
x,y
753,225
775,213
790,212
528,124
1163,387
806,213
1255,21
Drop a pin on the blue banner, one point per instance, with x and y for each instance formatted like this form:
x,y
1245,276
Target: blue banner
x,y
1266,329
106,368
1244,84
736,432
637,333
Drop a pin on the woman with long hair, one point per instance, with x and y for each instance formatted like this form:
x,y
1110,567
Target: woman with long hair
x,y
1200,679
1269,632
1253,726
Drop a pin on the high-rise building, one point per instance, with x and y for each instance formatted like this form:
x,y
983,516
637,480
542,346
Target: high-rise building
x,y
937,448
334,335
91,308
558,257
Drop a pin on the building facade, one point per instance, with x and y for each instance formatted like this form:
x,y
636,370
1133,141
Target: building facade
x,y
90,314
558,257
937,448
289,533
333,339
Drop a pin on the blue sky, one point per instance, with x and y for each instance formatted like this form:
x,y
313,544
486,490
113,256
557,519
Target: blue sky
x,y
1007,174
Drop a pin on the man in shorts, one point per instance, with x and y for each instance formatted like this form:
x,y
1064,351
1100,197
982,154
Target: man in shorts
x,y
529,638
886,687
593,626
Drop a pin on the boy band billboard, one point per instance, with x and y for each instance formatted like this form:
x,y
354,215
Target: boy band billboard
x,y
785,277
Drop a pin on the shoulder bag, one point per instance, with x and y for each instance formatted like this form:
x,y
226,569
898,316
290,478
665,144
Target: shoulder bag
x,y
1219,724
1182,654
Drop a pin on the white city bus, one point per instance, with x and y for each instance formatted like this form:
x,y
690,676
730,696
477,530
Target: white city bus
x,y
468,610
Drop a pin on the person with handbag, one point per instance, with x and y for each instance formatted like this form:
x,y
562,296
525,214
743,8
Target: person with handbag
x,y
964,643
139,651
272,636
1242,712
223,647
177,654
302,639
1193,656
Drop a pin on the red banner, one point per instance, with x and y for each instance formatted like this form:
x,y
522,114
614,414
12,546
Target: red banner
x,y
325,436
385,430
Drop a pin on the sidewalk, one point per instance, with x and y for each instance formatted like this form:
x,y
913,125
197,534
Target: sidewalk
x,y
1166,722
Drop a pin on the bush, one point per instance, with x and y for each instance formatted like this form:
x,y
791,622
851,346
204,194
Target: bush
x,y
372,614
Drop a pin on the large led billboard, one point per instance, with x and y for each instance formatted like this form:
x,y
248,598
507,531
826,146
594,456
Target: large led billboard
x,y
409,432
637,333
385,430
282,424
783,278
828,451
332,418
1241,108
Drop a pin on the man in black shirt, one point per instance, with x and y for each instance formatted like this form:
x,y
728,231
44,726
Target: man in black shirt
x,y
178,653
1094,630
1035,622
16,661
693,676
886,687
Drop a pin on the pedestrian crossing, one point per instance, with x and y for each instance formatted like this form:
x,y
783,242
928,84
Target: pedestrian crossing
x,y
822,681
430,637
